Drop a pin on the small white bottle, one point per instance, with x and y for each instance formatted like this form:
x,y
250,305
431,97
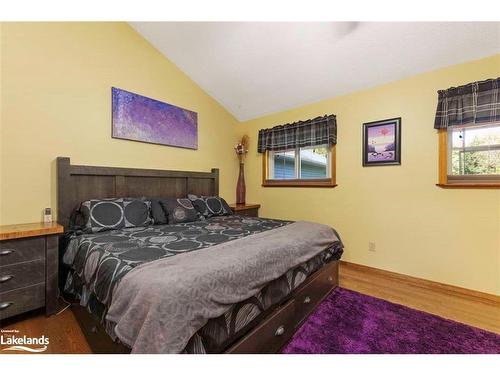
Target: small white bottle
x,y
47,215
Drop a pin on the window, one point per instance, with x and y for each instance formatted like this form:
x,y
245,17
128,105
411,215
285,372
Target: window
x,y
304,166
470,156
286,162
468,122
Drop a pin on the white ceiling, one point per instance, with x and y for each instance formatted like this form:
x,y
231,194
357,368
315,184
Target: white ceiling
x,y
254,69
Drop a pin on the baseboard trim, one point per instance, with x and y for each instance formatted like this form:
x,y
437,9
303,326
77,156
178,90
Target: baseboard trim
x,y
426,284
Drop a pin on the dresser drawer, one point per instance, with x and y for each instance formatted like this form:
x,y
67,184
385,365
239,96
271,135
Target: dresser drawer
x,y
21,275
269,336
308,296
21,300
21,250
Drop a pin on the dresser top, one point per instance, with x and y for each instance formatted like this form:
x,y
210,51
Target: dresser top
x,y
243,206
9,232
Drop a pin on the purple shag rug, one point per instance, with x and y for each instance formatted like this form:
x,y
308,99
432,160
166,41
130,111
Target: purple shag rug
x,y
348,322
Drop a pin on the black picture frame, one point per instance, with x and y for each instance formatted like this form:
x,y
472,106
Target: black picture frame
x,y
382,154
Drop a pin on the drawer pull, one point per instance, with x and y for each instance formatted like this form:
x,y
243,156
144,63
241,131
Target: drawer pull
x,y
6,252
4,305
307,300
279,331
330,278
5,278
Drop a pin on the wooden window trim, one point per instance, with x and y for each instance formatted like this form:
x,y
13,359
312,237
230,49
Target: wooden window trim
x,y
320,182
447,183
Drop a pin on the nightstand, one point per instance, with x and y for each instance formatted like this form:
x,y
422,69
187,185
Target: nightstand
x,y
29,268
245,209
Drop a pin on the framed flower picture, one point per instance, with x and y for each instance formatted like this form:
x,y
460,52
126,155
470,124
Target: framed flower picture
x,y
382,142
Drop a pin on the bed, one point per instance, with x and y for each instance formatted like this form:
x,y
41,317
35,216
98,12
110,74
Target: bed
x,y
251,310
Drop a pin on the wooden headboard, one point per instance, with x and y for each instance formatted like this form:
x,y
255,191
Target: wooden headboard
x,y
77,183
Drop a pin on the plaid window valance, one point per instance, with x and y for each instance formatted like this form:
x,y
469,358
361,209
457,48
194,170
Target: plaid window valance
x,y
474,103
315,132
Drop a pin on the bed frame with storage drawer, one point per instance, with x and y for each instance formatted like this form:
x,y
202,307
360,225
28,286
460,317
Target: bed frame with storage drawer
x,y
76,183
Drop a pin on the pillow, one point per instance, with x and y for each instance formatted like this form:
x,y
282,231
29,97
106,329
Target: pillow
x,y
115,213
137,212
210,206
179,210
157,212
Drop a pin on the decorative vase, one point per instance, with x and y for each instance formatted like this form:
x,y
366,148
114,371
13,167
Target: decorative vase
x,y
240,186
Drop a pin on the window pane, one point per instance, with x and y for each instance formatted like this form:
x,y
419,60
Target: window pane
x,y
314,162
283,165
457,138
475,150
476,162
482,136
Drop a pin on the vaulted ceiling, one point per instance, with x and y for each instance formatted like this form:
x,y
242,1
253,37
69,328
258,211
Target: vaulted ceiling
x,y
254,69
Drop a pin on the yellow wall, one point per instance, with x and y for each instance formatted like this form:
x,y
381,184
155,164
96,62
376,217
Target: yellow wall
x,y
450,236
56,101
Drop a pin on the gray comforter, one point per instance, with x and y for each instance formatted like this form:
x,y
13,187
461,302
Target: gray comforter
x,y
158,306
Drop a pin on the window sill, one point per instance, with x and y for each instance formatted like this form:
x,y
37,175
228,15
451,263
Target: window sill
x,y
470,185
325,183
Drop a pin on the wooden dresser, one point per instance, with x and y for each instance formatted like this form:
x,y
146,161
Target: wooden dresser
x,y
245,209
28,268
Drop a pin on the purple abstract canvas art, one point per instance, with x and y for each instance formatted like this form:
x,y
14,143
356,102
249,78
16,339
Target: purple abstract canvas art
x,y
139,118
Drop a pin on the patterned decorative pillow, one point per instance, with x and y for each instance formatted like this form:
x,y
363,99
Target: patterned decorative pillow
x,y
115,213
210,206
179,210
137,212
157,212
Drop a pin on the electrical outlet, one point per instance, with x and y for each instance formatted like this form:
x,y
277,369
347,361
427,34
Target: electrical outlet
x,y
371,246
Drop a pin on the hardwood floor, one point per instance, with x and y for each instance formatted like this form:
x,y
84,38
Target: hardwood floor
x,y
462,305
62,330
458,304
